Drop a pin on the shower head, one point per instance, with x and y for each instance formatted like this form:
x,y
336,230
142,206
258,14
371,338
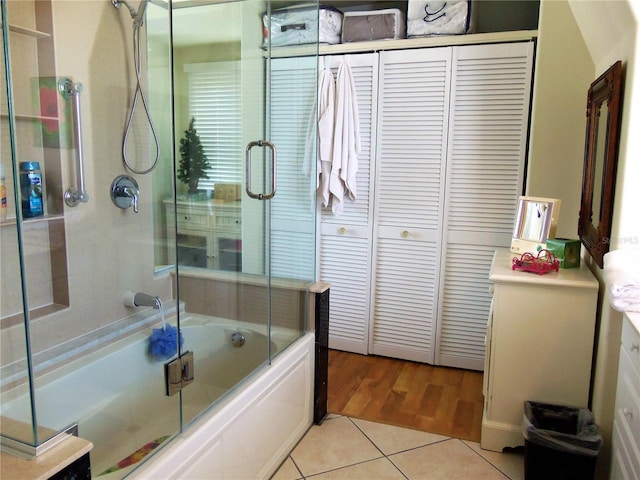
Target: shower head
x,y
137,15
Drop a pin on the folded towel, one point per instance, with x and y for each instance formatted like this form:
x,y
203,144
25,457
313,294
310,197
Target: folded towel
x,y
622,277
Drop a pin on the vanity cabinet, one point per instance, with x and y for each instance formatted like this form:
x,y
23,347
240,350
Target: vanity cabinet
x,y
208,234
626,422
539,345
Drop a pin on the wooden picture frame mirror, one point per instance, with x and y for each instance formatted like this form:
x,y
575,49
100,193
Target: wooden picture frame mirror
x,y
600,161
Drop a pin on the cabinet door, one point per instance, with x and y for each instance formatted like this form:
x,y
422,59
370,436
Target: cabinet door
x,y
490,93
345,240
413,110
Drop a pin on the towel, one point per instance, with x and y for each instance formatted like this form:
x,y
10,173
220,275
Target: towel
x,y
311,161
622,277
346,140
326,120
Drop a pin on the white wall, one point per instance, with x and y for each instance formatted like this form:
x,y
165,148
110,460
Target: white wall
x,y
109,250
608,31
562,77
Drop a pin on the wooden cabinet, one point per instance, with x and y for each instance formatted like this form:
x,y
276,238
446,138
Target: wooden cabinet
x,y
208,235
539,345
626,423
444,134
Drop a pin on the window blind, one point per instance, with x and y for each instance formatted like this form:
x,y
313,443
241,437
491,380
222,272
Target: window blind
x,y
215,103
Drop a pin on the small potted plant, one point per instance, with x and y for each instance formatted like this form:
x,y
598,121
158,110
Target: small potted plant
x,y
193,161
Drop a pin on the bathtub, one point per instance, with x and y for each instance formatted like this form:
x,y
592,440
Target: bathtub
x,y
117,397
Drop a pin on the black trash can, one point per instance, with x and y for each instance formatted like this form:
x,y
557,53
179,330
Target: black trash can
x,y
561,442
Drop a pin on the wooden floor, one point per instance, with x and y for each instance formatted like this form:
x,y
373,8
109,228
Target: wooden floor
x,y
446,401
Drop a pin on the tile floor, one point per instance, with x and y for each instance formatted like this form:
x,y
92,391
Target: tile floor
x,y
352,449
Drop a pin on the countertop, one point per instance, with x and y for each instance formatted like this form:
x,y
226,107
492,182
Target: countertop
x,y
45,465
501,271
634,318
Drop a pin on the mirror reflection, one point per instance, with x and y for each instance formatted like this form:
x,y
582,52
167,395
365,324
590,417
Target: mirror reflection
x,y
601,144
536,221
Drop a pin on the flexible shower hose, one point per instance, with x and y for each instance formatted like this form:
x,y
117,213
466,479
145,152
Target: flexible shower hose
x,y
139,92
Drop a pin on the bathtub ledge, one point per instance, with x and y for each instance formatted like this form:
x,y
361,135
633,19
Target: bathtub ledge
x,y
15,373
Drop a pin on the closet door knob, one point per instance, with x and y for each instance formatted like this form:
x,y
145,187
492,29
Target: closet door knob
x,y
635,347
342,230
405,234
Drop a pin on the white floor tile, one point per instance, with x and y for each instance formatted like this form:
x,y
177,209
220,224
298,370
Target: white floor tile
x,y
334,444
451,459
354,449
378,469
509,462
391,439
287,471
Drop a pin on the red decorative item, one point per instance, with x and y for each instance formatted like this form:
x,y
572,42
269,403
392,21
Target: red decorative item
x,y
544,262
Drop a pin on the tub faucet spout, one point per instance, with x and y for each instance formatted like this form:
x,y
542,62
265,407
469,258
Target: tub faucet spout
x,y
140,299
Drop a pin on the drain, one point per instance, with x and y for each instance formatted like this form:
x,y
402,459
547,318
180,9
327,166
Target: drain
x,y
237,339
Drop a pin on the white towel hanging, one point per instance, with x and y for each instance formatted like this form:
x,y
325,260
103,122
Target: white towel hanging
x,y
346,140
326,120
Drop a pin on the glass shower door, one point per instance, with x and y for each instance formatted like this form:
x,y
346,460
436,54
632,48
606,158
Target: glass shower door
x,y
226,184
72,352
17,424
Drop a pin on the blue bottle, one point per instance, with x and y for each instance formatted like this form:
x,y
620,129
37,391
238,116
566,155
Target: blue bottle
x,y
31,189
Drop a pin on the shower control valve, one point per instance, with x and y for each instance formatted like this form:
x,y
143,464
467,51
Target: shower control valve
x,y
125,192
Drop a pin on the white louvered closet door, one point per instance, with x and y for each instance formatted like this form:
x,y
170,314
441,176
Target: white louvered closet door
x,y
491,88
413,109
345,240
292,128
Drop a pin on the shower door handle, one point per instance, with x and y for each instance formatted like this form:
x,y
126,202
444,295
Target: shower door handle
x,y
272,149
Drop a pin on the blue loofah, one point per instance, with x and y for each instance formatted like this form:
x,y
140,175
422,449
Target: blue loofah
x,y
163,343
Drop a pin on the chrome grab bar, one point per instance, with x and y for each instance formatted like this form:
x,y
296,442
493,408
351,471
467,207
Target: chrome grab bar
x,y
272,147
69,89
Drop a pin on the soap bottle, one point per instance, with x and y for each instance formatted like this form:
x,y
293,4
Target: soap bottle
x,y
3,195
31,189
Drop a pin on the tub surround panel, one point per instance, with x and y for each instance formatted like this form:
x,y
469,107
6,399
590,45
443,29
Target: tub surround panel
x,y
244,300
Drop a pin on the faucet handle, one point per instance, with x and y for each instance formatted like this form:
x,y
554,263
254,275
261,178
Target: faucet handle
x,y
125,192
